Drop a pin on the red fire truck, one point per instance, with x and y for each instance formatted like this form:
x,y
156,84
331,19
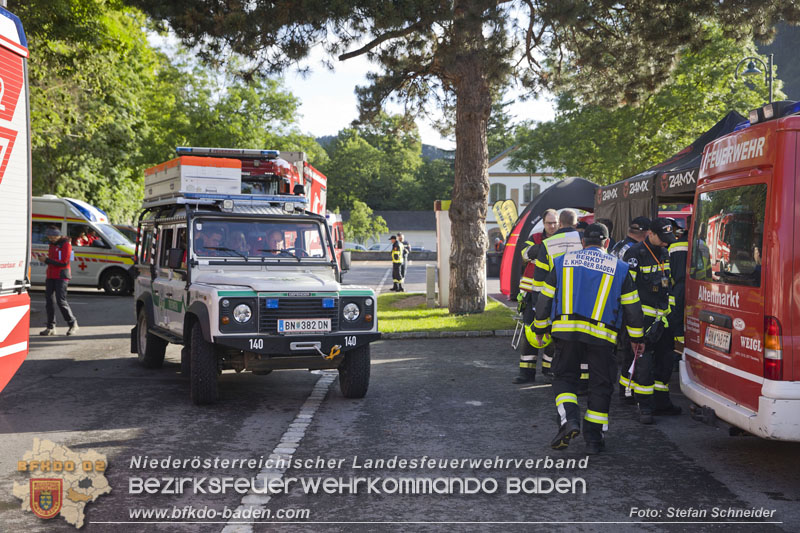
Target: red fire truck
x,y
741,363
15,196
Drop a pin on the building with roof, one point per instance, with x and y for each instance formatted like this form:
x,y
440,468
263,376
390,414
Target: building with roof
x,y
508,183
418,227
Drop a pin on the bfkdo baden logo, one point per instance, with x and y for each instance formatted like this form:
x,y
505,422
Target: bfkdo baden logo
x,y
46,497
61,482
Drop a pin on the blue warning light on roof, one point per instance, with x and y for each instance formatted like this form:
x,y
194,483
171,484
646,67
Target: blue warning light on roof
x,y
89,211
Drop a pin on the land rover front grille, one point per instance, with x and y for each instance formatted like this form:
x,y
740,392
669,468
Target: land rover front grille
x,y
295,308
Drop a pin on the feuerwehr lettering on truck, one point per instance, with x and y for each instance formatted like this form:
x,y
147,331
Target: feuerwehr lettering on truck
x,y
725,153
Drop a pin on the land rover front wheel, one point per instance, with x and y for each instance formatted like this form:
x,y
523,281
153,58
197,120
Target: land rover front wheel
x,y
354,373
150,348
203,368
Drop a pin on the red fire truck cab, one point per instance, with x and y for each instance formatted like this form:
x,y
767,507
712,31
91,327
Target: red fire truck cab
x,y
743,280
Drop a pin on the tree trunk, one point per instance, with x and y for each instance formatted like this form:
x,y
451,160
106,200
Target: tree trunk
x,y
471,187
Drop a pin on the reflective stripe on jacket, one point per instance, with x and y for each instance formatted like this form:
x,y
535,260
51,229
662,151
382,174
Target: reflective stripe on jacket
x,y
563,241
584,296
397,252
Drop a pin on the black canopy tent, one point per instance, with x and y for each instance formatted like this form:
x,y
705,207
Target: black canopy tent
x,y
671,181
576,193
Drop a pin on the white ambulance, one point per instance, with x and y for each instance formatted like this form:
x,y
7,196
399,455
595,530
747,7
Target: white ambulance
x,y
104,257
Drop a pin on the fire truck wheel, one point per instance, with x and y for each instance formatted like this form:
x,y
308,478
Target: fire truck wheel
x,y
354,373
203,371
150,348
116,282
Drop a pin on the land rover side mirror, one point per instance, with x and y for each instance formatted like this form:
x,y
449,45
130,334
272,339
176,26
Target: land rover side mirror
x,y
345,261
175,258
339,244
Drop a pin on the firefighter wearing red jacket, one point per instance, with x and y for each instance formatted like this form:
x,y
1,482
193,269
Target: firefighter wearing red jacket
x,y
58,276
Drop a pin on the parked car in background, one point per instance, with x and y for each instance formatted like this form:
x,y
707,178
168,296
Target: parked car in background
x,y
380,247
355,246
419,249
128,231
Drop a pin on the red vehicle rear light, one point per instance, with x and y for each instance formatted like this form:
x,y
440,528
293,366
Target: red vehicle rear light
x,y
773,349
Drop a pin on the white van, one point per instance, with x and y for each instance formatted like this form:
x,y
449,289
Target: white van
x,y
104,257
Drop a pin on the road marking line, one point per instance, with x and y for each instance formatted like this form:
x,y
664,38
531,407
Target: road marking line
x,y
383,280
285,449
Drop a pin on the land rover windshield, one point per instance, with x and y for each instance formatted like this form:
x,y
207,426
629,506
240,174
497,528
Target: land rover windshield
x,y
270,240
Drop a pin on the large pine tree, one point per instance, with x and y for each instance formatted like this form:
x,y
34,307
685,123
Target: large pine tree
x,y
461,52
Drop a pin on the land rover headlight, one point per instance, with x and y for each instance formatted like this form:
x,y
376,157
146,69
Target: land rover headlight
x,y
351,312
242,313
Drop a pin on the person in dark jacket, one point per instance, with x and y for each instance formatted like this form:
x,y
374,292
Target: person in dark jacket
x,y
648,263
58,275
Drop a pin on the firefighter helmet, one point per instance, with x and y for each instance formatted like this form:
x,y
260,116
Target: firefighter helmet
x,y
531,336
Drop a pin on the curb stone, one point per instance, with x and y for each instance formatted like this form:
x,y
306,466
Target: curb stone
x,y
446,334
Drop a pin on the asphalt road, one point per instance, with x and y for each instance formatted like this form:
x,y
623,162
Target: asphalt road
x,y
437,398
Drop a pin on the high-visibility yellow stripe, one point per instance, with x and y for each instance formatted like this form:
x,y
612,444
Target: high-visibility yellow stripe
x,y
624,381
524,251
635,333
576,326
542,324
585,376
602,297
525,364
641,389
661,386
653,311
630,297
566,294
566,397
548,290
126,260
679,246
596,416
541,265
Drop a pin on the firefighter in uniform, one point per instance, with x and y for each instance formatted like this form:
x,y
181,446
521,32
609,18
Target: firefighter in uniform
x,y
581,303
397,264
566,239
527,298
678,256
648,262
637,230
636,233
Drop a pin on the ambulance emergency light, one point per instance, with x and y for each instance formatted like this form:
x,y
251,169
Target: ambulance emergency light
x,y
89,211
222,152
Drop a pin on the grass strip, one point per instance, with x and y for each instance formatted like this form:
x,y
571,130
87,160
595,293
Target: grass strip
x,y
403,312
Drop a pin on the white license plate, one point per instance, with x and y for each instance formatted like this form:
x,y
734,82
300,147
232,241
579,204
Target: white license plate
x,y
304,325
718,338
